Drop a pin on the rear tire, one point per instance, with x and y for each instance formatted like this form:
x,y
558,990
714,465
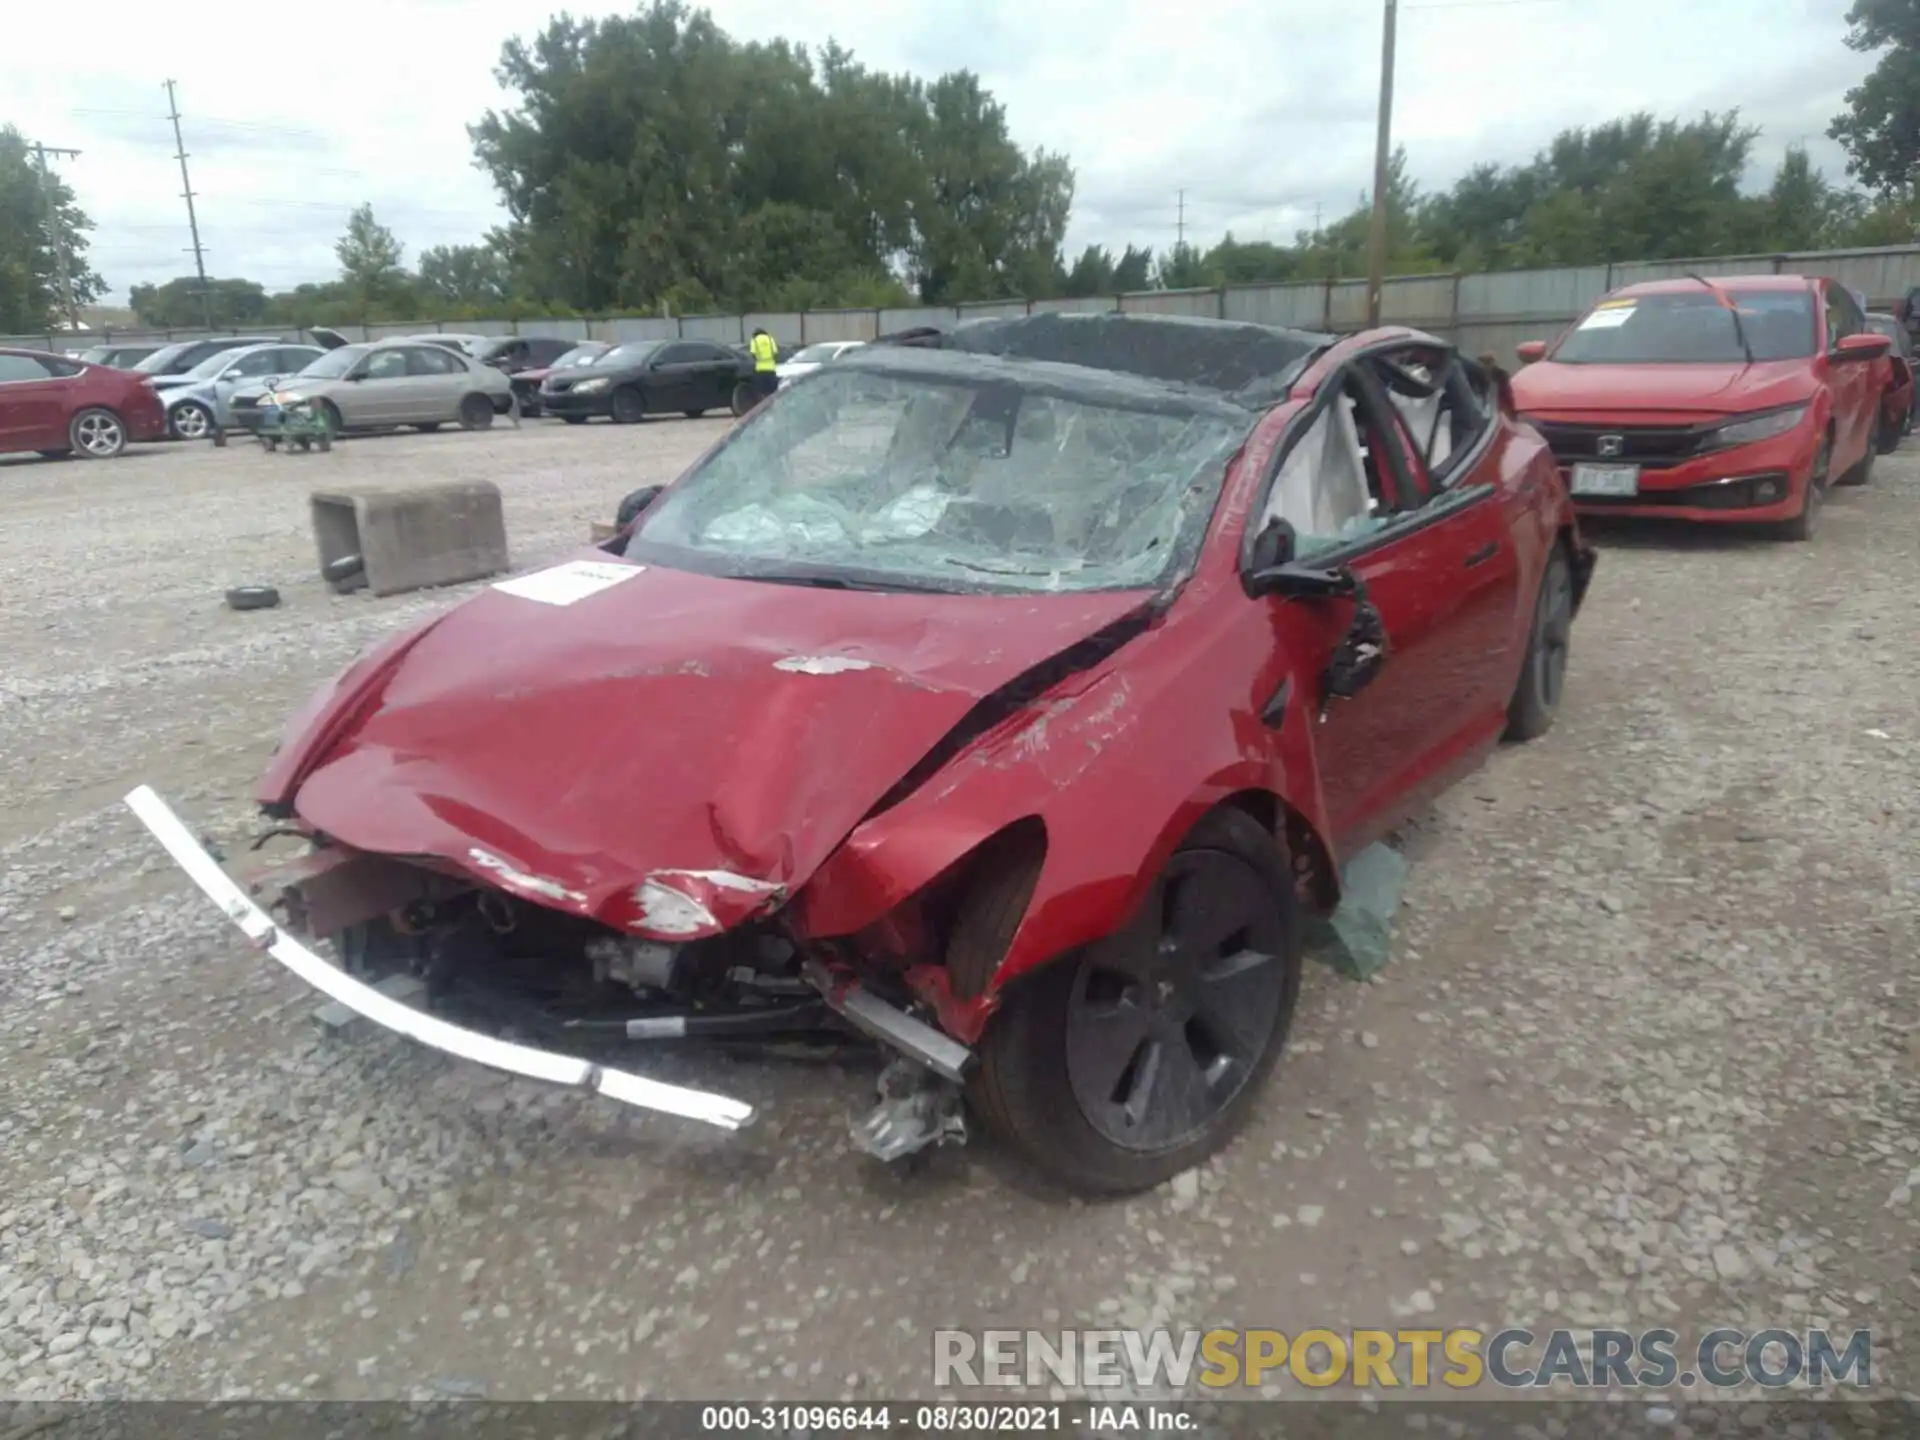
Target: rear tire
x,y
744,394
628,406
1048,1083
1543,674
97,434
476,412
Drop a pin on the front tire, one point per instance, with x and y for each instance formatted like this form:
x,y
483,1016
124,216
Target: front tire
x,y
1117,1066
1806,524
190,420
628,406
97,434
1543,674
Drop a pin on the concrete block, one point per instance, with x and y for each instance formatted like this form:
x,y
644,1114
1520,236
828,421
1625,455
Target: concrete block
x,y
346,1023
409,537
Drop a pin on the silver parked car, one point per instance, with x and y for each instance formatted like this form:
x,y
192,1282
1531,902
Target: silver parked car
x,y
199,401
399,382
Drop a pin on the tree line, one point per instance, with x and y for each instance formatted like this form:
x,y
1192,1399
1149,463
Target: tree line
x,y
653,164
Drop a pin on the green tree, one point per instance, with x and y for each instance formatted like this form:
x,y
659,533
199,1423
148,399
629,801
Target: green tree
x,y
370,261
1800,210
651,159
1880,128
1133,270
1183,268
466,276
29,268
176,304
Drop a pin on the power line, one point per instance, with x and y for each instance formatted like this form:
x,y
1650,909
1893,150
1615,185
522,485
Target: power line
x,y
186,191
54,232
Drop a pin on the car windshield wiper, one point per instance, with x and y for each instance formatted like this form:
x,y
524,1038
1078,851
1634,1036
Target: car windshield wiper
x,y
839,582
1733,309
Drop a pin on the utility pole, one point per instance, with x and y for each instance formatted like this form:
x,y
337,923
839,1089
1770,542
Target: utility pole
x,y
1180,224
186,192
1382,163
54,235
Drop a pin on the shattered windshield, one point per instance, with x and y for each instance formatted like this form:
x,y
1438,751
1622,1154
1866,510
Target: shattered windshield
x,y
942,481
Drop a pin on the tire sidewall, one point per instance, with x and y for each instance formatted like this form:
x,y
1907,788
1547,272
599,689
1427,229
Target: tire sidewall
x,y
627,405
1025,1047
180,411
120,428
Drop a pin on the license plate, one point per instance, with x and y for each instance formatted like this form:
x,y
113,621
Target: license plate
x,y
1606,479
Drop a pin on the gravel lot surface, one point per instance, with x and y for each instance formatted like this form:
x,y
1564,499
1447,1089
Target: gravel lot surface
x,y
1646,1055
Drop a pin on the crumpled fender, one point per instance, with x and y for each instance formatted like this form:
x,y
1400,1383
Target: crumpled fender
x,y
311,731
1118,763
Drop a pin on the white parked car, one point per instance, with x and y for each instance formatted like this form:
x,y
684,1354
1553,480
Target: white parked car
x,y
809,358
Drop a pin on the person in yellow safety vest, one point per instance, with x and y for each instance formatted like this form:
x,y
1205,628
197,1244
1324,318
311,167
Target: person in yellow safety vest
x,y
766,355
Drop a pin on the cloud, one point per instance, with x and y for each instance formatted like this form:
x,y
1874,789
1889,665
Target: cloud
x,y
1258,112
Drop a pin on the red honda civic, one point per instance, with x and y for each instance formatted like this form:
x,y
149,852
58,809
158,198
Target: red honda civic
x,y
1741,399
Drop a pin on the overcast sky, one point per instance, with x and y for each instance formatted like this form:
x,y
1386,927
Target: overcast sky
x,y
1259,109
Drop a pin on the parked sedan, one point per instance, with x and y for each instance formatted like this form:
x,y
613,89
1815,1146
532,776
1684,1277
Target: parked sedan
x,y
200,401
810,358
61,406
527,383
1711,400
176,359
1902,395
1021,734
652,377
120,357
399,382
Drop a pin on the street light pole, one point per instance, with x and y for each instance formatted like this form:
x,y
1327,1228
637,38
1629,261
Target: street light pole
x,y
1382,173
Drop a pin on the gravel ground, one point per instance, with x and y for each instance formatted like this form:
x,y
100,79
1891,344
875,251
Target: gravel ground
x,y
1646,1054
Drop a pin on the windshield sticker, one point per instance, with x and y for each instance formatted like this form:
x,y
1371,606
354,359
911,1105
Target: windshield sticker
x,y
566,584
1609,316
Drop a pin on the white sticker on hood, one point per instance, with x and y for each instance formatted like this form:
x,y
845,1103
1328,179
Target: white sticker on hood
x,y
565,584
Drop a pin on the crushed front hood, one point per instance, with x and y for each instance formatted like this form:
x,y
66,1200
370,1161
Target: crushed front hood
x,y
675,752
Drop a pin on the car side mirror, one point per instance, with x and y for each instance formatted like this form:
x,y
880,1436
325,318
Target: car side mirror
x,y
1530,351
1867,346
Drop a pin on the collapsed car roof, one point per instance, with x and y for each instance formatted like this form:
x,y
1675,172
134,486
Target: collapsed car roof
x,y
1246,365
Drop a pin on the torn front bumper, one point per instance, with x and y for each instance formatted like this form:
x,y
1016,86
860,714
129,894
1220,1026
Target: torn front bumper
x,y
260,928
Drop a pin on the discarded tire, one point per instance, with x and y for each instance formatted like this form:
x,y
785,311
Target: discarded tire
x,y
252,597
345,568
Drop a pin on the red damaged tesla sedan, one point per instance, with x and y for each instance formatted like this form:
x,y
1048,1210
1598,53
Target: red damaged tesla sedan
x,y
1005,695
62,406
1715,400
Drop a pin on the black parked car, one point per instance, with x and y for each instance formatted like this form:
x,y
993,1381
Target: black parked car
x,y
514,353
652,377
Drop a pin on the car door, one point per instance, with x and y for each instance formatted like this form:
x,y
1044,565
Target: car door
x,y
34,399
673,378
1856,397
719,373
437,381
379,396
1439,563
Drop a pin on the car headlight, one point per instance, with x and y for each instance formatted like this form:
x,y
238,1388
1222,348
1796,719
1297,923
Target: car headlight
x,y
1759,427
589,387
